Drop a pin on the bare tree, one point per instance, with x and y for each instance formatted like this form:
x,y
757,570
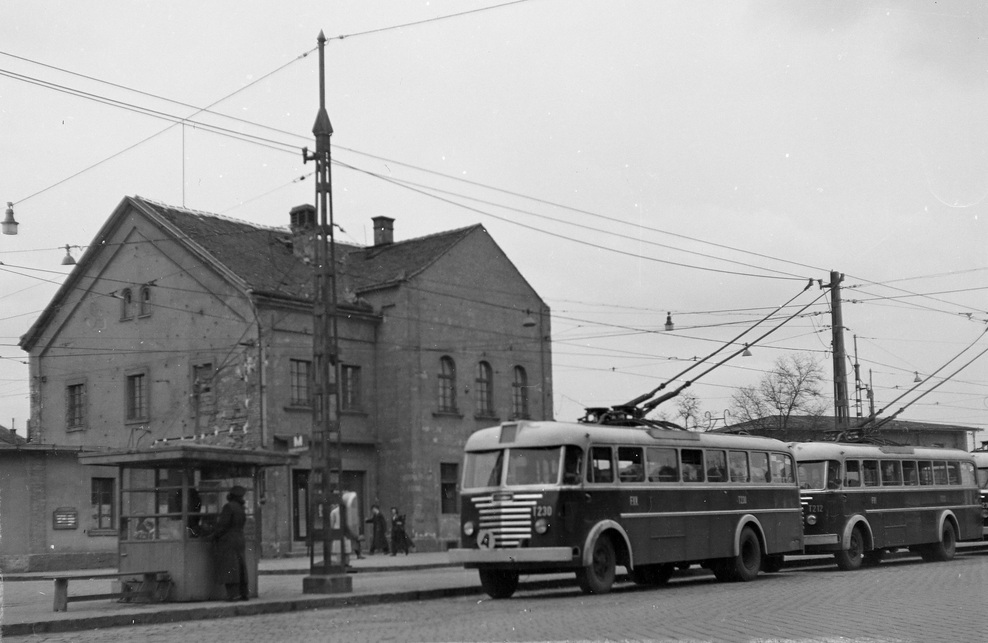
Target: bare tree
x,y
688,408
791,388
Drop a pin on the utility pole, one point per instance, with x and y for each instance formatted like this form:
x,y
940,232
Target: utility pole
x,y
326,450
841,407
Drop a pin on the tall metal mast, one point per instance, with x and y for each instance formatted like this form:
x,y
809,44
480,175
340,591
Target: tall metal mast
x,y
326,447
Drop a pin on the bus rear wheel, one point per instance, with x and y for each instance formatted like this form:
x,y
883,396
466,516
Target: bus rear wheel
x,y
945,549
598,576
651,575
851,558
499,583
745,566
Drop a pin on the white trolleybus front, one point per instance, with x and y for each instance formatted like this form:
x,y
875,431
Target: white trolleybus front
x,y
860,500
550,497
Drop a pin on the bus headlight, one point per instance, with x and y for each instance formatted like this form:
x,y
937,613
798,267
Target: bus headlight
x,y
468,528
811,520
541,526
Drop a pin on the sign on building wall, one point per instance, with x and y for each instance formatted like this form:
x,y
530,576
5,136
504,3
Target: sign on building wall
x,y
65,518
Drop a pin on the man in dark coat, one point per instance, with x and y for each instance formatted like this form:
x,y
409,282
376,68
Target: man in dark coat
x,y
399,538
231,547
379,538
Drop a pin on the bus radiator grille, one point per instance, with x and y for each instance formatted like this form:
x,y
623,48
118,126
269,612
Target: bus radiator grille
x,y
508,517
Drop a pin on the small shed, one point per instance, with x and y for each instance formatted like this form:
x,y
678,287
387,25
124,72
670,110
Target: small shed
x,y
170,496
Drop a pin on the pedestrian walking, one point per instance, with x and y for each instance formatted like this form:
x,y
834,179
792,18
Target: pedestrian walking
x,y
379,528
399,538
231,547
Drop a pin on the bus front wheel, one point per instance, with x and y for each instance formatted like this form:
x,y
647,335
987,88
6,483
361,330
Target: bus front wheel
x,y
945,549
598,576
851,558
499,583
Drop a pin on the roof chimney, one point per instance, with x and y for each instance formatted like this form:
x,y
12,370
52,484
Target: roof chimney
x,y
303,226
384,231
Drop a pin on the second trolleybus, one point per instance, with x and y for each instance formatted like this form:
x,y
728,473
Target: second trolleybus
x,y
860,501
549,497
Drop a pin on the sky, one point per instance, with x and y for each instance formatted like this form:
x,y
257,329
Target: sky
x,y
633,159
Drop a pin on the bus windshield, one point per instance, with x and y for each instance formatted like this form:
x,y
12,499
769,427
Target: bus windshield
x,y
821,475
983,478
524,467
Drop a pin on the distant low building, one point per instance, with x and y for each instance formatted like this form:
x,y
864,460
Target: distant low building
x,y
806,428
184,325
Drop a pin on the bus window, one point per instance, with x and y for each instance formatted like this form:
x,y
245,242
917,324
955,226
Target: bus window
x,y
630,464
968,478
692,465
833,474
739,466
716,466
939,472
662,465
910,475
600,469
781,468
925,472
572,464
852,473
953,473
533,466
812,475
983,478
482,469
891,473
759,467
870,471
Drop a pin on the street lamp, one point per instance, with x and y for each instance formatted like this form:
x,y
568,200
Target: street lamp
x,y
9,224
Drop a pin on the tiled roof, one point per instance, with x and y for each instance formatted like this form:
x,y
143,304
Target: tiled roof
x,y
262,256
9,437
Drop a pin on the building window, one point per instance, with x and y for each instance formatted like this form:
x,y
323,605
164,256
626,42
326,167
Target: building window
x,y
137,397
145,302
102,502
447,385
75,406
449,473
126,304
519,394
350,388
300,377
485,390
203,397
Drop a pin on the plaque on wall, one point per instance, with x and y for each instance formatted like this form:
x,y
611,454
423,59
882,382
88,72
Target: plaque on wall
x,y
65,518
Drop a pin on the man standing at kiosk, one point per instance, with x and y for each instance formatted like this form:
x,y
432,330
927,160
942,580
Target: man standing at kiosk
x,y
231,556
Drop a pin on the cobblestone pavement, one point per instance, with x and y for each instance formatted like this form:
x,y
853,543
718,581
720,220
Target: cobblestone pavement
x,y
907,601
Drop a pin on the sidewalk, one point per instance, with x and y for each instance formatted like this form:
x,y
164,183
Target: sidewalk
x,y
26,599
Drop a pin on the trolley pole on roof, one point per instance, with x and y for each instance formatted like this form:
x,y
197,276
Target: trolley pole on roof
x,y
326,451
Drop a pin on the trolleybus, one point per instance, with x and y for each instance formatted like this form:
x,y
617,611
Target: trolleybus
x,y
549,497
981,462
860,501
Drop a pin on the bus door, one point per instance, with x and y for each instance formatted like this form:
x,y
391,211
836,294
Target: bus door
x,y
666,525
896,516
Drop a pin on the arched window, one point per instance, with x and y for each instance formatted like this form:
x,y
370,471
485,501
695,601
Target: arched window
x,y
485,390
126,304
519,394
145,303
447,385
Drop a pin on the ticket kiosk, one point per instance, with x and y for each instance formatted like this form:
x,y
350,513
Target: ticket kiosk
x,y
169,497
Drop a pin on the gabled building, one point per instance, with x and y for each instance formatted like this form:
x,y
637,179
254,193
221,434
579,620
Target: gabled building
x,y
807,428
177,324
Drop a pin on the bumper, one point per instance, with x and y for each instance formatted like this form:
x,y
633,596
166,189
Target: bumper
x,y
520,555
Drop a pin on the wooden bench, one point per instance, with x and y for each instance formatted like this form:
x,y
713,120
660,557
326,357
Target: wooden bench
x,y
152,587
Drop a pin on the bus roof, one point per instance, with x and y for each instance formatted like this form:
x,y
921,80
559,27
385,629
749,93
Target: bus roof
x,y
980,458
837,450
526,433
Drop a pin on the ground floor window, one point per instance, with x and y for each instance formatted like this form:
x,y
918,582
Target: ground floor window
x,y
102,503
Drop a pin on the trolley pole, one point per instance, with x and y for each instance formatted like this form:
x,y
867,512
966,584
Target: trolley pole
x,y
329,576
